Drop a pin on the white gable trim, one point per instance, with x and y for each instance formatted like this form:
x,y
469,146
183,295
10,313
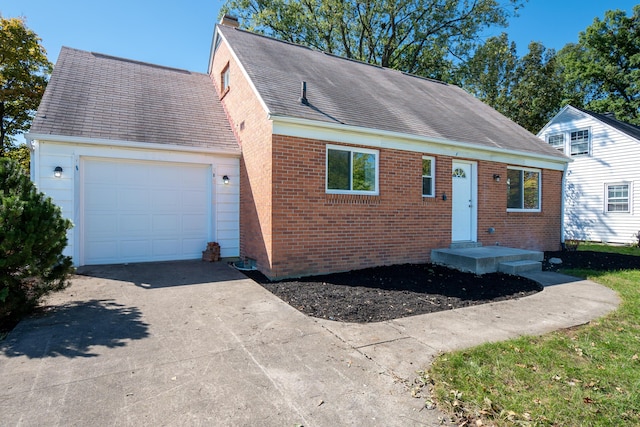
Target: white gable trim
x,y
565,108
244,71
130,144
311,129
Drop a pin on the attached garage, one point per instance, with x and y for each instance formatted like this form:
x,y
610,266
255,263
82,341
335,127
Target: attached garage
x,y
143,150
143,211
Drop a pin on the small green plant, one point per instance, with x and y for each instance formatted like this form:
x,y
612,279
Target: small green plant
x,y
637,236
571,244
33,235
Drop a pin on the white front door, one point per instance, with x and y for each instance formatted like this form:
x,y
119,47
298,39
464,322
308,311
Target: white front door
x,y
463,196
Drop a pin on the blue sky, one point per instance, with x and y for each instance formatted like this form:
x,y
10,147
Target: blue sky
x,y
178,33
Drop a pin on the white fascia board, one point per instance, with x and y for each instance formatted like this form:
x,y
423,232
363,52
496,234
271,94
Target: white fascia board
x,y
129,144
311,129
244,73
544,129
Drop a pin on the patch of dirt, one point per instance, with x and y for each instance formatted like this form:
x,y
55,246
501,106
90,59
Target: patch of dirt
x,y
384,293
392,292
603,261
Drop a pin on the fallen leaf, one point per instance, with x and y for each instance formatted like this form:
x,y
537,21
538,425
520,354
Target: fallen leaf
x,y
634,357
587,400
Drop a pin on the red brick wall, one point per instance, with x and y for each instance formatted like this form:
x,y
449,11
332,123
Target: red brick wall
x,y
253,132
315,232
525,230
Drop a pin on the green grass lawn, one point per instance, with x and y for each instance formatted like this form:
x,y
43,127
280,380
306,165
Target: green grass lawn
x,y
583,376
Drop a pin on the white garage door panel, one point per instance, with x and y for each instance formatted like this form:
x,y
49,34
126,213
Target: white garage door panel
x,y
144,211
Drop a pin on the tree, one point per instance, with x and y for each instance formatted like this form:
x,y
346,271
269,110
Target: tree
x,y
538,90
602,70
490,73
528,90
33,235
423,37
24,71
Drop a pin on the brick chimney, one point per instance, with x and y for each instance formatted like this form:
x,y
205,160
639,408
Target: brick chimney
x,y
229,21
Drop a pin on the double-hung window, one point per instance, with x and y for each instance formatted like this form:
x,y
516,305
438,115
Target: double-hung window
x,y
580,142
225,79
617,198
523,189
557,141
352,170
428,177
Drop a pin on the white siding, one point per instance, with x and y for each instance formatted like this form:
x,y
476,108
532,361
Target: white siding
x,y
65,191
614,159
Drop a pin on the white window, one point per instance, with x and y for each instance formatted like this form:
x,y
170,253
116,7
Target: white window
x,y
580,142
523,189
352,170
617,198
557,141
225,79
428,176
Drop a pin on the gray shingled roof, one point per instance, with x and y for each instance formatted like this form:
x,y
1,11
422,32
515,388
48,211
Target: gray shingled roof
x,y
354,93
631,130
92,95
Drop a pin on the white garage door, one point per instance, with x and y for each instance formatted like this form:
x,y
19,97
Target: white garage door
x,y
143,211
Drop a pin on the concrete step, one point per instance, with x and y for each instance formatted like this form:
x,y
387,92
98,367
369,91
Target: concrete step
x,y
463,245
481,260
518,267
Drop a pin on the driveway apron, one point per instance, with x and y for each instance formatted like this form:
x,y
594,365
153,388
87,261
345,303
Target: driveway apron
x,y
190,343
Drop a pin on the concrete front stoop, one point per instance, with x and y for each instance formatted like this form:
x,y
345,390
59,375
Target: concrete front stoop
x,y
489,259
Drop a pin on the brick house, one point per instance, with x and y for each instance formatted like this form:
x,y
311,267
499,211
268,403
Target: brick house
x,y
347,165
300,161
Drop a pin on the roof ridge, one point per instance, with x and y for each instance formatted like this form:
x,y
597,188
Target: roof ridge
x,y
146,64
334,55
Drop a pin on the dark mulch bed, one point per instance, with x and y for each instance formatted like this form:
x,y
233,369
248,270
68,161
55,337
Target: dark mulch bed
x,y
384,293
603,261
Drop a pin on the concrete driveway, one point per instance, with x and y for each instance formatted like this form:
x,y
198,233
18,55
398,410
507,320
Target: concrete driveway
x,y
195,343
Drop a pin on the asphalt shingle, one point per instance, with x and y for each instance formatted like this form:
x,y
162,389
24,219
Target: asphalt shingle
x,y
353,93
98,96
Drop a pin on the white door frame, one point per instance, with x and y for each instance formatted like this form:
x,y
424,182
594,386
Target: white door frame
x,y
471,217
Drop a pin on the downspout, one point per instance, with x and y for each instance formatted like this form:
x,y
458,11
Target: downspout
x,y
34,163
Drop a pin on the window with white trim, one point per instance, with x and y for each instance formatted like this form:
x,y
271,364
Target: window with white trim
x,y
428,176
557,141
225,79
617,198
352,170
580,142
523,189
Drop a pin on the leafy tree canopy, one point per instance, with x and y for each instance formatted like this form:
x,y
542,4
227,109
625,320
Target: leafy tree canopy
x,y
423,37
602,71
528,90
24,71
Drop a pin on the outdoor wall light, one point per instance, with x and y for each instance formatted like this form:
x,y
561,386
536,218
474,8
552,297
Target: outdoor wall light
x,y
225,179
57,172
496,177
444,196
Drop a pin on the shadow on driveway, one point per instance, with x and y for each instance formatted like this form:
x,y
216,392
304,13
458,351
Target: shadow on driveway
x,y
71,330
154,275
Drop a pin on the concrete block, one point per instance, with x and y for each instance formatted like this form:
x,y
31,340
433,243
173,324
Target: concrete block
x,y
519,267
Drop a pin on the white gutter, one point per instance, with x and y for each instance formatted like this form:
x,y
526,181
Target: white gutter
x,y
130,144
390,139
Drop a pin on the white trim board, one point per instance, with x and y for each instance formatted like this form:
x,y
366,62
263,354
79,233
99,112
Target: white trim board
x,y
310,129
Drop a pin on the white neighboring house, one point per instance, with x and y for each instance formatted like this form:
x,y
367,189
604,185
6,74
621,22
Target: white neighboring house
x,y
140,157
602,197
